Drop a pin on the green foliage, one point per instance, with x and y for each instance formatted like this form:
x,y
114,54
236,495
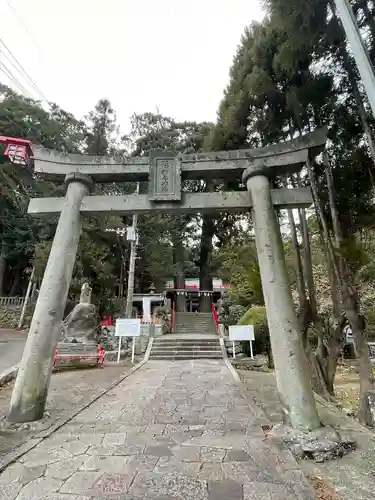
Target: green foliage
x,y
236,311
164,313
239,266
101,125
257,316
230,314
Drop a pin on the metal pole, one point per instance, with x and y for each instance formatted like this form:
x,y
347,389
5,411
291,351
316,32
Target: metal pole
x,y
27,296
133,256
362,59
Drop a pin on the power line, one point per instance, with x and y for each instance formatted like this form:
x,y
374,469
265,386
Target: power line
x,y
23,71
13,66
12,78
13,9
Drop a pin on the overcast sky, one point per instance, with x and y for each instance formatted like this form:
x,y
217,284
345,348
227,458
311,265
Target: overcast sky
x,y
141,54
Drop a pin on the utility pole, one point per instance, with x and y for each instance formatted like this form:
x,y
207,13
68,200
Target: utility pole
x,y
28,292
133,257
362,59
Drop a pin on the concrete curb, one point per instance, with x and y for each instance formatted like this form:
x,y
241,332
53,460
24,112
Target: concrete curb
x,y
229,365
8,375
148,350
33,441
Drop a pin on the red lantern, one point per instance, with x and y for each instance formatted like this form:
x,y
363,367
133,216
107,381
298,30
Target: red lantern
x,y
18,151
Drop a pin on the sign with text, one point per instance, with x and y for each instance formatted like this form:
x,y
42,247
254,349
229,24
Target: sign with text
x,y
128,327
239,332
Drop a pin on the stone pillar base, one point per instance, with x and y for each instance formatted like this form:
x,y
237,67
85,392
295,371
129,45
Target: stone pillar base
x,y
320,445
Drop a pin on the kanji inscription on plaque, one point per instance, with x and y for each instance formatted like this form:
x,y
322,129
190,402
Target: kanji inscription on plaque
x,y
165,178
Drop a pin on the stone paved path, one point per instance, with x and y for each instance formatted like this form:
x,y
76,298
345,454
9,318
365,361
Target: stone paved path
x,y
171,431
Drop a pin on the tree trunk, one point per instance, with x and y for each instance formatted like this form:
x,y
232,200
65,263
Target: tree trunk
x,y
369,20
328,354
318,359
121,284
179,279
332,203
307,261
3,264
304,307
16,280
205,277
317,375
357,323
350,302
299,268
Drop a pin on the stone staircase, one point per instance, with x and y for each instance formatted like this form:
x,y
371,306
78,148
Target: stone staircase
x,y
189,346
194,337
194,323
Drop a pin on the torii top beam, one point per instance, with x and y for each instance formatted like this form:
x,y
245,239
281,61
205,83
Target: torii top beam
x,y
282,158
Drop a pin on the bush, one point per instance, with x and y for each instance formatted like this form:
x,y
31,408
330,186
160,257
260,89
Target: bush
x,y
164,313
371,324
257,317
231,314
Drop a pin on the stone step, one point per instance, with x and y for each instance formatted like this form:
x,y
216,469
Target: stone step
x,y
192,317
195,315
186,348
194,325
204,325
172,357
193,340
187,341
193,331
189,323
194,322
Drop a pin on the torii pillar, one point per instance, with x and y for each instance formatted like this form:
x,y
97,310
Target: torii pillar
x,y
30,392
291,366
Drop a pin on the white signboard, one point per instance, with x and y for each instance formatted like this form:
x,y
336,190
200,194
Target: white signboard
x,y
239,332
128,327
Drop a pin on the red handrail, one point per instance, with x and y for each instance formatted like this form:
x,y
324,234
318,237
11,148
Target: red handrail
x,y
215,316
173,315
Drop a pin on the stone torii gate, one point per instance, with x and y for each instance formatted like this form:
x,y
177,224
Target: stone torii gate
x,y
164,172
